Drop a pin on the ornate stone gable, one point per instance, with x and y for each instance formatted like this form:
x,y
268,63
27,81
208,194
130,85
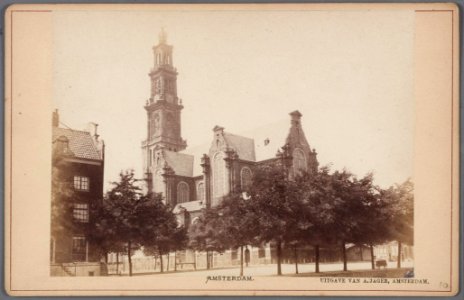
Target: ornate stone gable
x,y
303,157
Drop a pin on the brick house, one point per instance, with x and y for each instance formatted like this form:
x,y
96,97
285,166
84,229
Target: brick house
x,y
77,183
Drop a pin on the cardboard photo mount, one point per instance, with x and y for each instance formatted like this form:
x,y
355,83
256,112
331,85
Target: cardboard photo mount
x,y
29,100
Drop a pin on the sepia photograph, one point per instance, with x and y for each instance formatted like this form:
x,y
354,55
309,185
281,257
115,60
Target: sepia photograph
x,y
227,146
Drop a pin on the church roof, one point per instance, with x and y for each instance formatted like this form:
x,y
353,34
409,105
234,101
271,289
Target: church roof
x,y
181,163
189,206
244,146
269,139
197,152
80,142
258,144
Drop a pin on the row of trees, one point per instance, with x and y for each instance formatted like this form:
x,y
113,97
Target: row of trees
x,y
323,209
129,220
317,210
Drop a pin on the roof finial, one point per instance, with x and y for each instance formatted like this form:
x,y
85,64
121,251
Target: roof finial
x,y
162,36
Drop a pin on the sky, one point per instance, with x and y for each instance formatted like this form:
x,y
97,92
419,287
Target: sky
x,y
350,73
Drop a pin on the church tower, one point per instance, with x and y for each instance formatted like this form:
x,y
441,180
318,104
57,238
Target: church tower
x,y
163,119
164,107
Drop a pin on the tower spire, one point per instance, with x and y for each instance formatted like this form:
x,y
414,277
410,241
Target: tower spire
x,y
162,37
164,107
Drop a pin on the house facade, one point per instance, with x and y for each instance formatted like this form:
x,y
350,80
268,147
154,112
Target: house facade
x,y
77,185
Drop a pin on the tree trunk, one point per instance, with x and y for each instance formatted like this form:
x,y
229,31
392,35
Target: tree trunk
x,y
295,251
317,258
398,264
161,262
117,263
129,256
167,267
175,261
345,264
207,260
241,260
104,269
211,260
195,260
279,257
372,256
361,248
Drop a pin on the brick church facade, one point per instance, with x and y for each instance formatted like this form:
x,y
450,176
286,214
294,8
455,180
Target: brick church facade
x,y
192,180
227,165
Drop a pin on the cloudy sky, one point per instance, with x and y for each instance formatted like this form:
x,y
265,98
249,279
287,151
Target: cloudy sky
x,y
349,73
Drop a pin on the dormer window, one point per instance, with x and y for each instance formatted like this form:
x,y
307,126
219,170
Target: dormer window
x,y
62,145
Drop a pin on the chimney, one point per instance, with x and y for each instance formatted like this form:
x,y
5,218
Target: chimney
x,y
92,128
295,118
218,130
55,118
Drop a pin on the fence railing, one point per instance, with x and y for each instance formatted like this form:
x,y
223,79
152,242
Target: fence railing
x,y
76,269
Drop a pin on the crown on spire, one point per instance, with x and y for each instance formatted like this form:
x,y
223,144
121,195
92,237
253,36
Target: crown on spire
x,y
162,36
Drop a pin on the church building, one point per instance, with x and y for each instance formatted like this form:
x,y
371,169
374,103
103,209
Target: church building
x,y
192,180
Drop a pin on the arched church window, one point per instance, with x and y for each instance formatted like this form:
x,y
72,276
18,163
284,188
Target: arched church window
x,y
245,178
201,191
219,174
299,161
182,192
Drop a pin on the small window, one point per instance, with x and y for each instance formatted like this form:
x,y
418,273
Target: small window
x,y
81,183
81,212
201,191
78,248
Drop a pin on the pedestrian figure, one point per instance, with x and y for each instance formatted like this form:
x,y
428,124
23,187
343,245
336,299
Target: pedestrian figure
x,y
247,256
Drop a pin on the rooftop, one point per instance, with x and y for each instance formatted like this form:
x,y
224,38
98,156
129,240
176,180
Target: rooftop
x,y
80,142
